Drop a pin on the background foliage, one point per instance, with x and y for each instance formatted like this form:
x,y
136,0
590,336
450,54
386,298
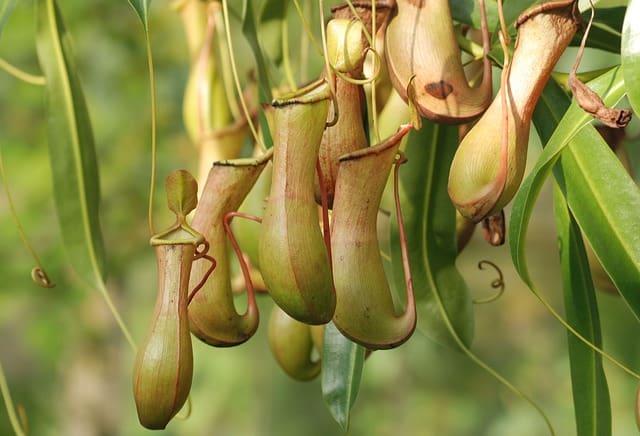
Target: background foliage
x,y
70,367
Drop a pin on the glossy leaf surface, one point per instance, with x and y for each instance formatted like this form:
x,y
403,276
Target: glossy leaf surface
x,y
601,195
590,391
342,362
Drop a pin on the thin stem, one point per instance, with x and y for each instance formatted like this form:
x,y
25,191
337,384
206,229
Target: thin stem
x,y
304,50
251,298
411,301
583,42
8,402
326,230
503,24
227,78
495,284
236,78
38,274
323,35
22,75
154,112
307,27
355,13
374,103
475,359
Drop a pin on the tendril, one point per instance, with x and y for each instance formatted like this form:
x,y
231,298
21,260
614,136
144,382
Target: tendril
x,y
497,283
40,278
205,277
38,274
367,80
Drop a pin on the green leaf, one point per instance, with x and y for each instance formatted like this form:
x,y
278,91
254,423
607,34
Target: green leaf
x,y
250,31
142,9
5,13
71,146
429,217
601,195
630,52
182,192
590,391
605,31
272,15
342,362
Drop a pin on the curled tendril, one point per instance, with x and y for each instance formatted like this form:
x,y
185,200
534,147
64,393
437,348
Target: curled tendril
x,y
495,284
206,275
40,278
376,70
201,253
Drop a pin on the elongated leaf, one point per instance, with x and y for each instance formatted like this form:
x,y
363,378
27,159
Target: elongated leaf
x,y
342,362
601,195
272,15
71,146
250,31
630,52
589,383
5,13
142,9
429,217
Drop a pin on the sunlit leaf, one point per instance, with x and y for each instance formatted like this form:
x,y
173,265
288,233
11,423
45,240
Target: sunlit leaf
x,y
600,193
71,146
142,9
590,391
342,362
630,52
429,217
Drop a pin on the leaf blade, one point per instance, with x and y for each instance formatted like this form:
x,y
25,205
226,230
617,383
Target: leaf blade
x,y
589,384
429,216
342,363
142,9
610,86
601,195
71,145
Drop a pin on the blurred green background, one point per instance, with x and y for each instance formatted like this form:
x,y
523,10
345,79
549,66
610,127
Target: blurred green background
x,y
69,366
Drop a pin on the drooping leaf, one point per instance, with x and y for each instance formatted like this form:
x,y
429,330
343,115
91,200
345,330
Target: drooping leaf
x,y
272,15
601,195
429,217
142,9
71,147
342,362
630,51
250,31
5,12
589,383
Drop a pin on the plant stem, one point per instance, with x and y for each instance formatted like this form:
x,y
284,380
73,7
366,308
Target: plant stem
x,y
8,402
22,75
